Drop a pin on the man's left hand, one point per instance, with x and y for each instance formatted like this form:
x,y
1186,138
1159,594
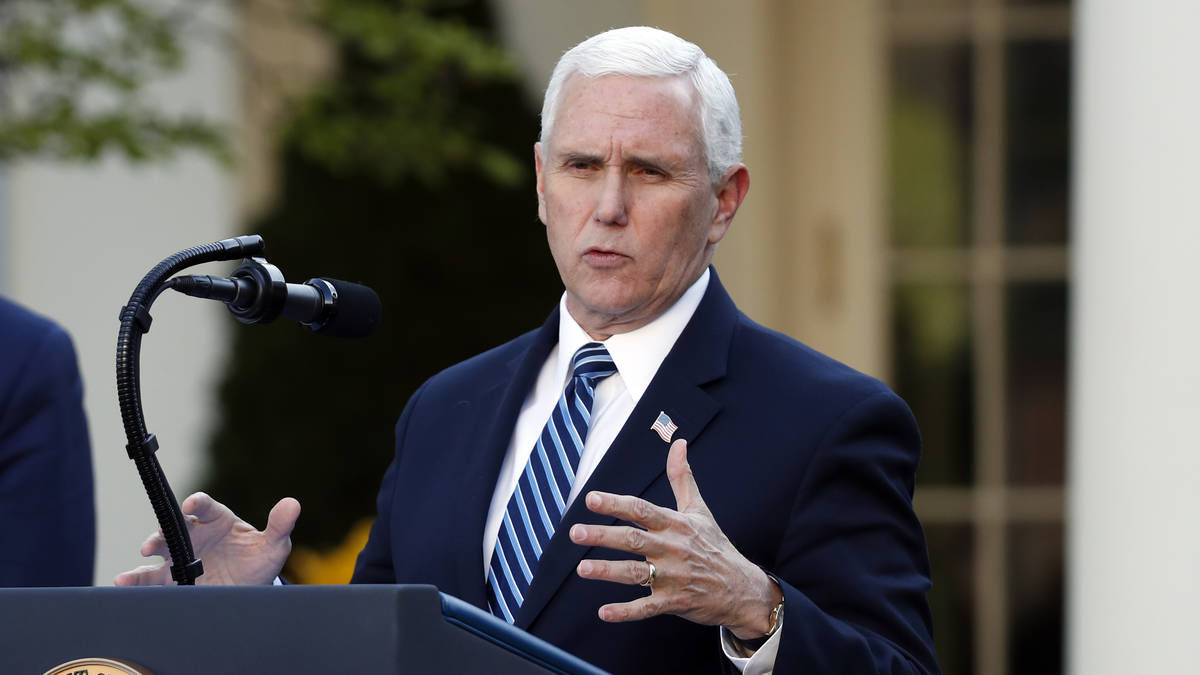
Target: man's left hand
x,y
698,574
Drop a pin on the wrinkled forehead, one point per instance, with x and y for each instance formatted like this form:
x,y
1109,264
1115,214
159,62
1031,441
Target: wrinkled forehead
x,y
663,106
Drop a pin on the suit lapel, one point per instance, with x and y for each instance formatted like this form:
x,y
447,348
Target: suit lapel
x,y
638,456
498,404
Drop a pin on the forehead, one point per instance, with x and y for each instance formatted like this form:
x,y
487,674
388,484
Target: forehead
x,y
644,113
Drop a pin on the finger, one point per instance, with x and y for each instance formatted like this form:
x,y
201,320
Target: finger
x,y
632,509
203,507
155,544
146,575
683,483
619,537
636,610
282,520
631,572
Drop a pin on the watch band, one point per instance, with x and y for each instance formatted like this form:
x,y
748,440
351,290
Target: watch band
x,y
777,612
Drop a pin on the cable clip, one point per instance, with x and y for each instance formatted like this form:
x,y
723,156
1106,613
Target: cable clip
x,y
141,318
187,574
147,447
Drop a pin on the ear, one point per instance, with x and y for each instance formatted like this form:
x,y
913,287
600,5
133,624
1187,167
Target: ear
x,y
729,192
541,181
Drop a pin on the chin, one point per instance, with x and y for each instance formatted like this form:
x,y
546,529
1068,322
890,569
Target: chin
x,y
607,305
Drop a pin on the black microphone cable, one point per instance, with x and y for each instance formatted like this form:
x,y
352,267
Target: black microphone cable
x,y
256,293
141,445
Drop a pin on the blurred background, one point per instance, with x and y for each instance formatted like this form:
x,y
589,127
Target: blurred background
x,y
909,214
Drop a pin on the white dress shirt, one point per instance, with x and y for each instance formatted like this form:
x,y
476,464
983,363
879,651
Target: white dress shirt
x,y
637,356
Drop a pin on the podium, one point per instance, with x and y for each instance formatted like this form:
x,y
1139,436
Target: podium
x,y
300,629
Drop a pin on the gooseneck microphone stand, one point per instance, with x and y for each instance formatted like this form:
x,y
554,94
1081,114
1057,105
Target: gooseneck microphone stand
x,y
141,444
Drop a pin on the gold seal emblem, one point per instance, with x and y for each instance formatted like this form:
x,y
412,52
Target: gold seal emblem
x,y
96,666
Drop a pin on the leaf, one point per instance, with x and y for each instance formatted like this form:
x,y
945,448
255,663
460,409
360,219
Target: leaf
x,y
60,52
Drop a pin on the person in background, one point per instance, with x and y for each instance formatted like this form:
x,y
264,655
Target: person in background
x,y
47,504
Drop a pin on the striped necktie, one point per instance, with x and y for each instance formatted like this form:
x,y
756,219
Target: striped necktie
x,y
540,499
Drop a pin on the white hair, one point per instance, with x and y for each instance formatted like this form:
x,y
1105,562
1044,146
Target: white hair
x,y
641,51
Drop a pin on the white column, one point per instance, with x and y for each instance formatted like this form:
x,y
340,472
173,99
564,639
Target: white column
x,y
1134,506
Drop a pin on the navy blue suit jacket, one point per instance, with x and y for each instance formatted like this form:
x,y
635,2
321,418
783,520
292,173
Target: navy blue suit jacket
x,y
806,464
47,509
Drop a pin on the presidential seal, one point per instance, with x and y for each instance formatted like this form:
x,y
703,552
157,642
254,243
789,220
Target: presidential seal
x,y
97,666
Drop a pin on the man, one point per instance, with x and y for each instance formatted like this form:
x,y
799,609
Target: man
x,y
650,465
47,511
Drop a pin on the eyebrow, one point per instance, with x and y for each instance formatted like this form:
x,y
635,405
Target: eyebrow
x,y
634,160
572,157
647,163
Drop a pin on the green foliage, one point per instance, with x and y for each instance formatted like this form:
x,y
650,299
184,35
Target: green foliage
x,y
74,74
401,116
411,172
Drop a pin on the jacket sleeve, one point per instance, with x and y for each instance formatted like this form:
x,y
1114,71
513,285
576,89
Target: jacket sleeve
x,y
853,563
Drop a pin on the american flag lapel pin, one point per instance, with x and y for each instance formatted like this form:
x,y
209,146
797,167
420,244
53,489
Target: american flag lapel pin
x,y
664,427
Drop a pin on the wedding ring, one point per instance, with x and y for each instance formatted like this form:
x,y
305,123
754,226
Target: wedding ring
x,y
649,580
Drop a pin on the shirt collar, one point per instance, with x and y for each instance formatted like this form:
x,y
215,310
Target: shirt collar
x,y
638,353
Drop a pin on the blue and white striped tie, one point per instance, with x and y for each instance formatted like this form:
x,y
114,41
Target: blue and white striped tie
x,y
538,503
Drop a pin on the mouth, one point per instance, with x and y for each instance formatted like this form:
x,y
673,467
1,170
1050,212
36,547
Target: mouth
x,y
602,257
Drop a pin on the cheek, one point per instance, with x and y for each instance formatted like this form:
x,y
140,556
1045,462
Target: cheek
x,y
687,232
561,207
559,238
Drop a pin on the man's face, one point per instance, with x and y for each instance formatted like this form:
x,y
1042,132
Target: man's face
x,y
631,213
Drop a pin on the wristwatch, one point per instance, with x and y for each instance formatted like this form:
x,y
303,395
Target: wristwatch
x,y
776,615
754,644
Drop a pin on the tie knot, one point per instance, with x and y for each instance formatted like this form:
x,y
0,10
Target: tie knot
x,y
592,362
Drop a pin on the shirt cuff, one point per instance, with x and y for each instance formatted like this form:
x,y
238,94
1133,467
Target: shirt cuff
x,y
277,582
748,662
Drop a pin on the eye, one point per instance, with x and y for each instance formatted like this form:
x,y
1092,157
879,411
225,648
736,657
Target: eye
x,y
579,166
576,161
650,172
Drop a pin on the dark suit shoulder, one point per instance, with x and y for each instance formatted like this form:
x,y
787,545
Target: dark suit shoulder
x,y
494,364
38,359
512,364
24,330
790,368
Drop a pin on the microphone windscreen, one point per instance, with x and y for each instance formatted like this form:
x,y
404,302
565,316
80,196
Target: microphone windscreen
x,y
358,310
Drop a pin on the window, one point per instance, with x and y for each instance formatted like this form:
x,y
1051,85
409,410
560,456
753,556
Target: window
x,y
979,162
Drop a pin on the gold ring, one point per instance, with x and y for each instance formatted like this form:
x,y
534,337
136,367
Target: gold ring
x,y
649,580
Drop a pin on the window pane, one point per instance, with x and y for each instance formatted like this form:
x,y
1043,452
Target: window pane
x,y
1035,598
934,374
952,598
1037,370
1038,141
930,133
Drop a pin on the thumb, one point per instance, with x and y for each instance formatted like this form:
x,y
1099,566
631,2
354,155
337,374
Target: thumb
x,y
203,507
683,483
282,520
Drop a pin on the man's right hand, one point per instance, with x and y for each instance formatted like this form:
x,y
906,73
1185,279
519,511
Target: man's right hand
x,y
233,552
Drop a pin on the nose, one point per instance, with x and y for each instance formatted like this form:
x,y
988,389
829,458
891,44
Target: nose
x,y
610,204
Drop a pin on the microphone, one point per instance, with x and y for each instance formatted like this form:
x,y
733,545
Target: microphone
x,y
257,293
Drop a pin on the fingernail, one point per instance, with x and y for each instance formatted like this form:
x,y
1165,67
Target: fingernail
x,y
585,567
593,499
576,532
